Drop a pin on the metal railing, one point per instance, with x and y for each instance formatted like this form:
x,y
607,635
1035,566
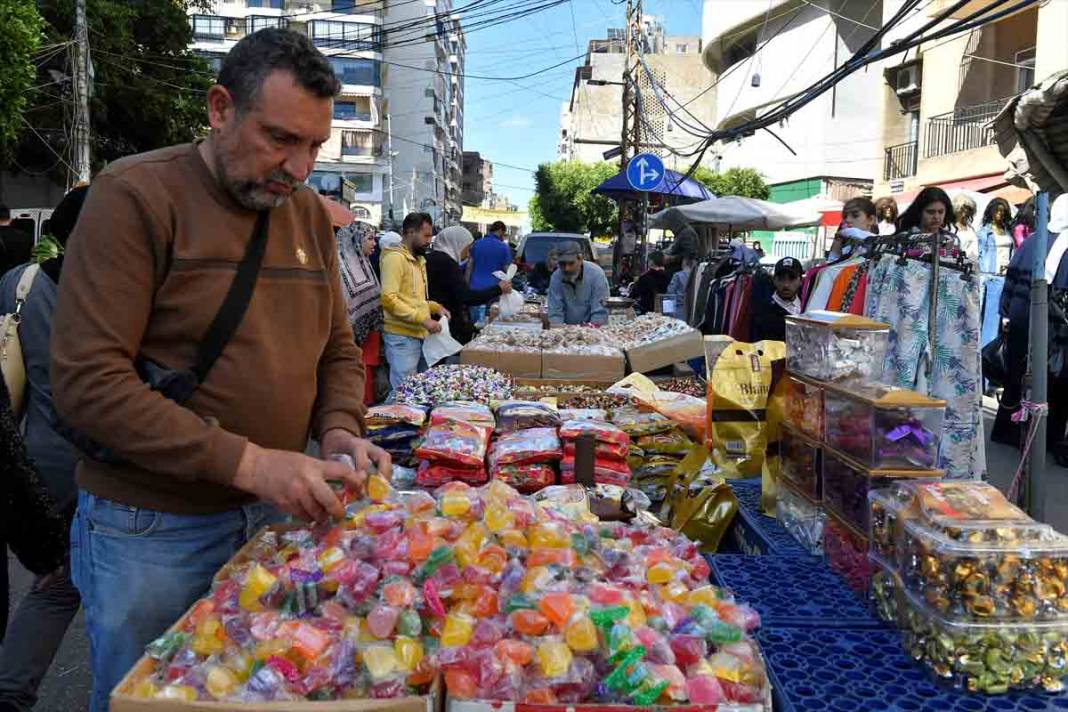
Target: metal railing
x,y
900,161
962,129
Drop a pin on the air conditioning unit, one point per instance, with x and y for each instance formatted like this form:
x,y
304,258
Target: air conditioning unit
x,y
907,80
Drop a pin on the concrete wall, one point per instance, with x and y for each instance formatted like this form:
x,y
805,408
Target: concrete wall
x,y
1052,50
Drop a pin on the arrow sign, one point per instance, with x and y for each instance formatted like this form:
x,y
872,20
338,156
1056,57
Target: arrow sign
x,y
645,172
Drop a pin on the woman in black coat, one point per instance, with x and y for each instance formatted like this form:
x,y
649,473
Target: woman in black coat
x,y
448,284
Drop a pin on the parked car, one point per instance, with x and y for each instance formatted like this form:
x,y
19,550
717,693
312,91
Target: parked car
x,y
534,248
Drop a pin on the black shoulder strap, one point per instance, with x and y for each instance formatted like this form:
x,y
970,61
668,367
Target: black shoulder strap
x,y
234,306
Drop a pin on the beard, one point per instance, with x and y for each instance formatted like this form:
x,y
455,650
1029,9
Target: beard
x,y
420,250
253,194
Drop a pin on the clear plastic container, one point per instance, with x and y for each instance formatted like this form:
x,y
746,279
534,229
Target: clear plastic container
x,y
803,518
846,485
884,428
1016,572
801,463
804,405
887,594
846,553
831,346
988,658
888,508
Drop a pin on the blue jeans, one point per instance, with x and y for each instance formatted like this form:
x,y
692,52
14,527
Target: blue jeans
x,y
138,570
405,356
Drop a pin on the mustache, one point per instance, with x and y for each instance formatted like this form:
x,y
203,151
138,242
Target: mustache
x,y
283,178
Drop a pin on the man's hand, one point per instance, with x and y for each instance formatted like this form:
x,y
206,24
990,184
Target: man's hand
x,y
432,326
362,452
506,286
293,482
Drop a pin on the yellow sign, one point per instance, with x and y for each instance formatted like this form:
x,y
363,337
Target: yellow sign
x,y
511,218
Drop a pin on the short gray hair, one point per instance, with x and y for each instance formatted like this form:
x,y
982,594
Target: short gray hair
x,y
257,55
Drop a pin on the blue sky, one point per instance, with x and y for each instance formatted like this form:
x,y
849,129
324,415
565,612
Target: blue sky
x,y
518,122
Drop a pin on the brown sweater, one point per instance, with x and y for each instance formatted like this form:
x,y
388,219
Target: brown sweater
x,y
147,267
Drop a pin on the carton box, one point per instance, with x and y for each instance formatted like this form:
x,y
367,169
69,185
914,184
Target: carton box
x,y
582,367
521,364
677,349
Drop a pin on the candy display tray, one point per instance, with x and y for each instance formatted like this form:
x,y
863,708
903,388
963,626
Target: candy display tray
x,y
827,670
792,591
122,699
755,533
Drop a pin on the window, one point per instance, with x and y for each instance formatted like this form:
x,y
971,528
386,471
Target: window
x,y
208,27
367,72
214,60
255,23
276,4
355,109
362,182
1025,69
345,35
681,48
358,143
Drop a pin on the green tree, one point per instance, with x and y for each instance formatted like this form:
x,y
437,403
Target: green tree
x,y
563,202
745,182
148,88
19,40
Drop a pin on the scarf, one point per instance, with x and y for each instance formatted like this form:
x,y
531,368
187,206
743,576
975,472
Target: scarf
x,y
359,284
452,241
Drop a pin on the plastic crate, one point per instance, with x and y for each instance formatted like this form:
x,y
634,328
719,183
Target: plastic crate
x,y
827,670
792,591
754,533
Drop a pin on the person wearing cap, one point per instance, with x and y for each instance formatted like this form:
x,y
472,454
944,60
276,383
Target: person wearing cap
x,y
577,289
768,320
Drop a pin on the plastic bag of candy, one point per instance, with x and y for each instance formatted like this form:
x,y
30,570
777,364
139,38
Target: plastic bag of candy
x,y
603,432
525,447
607,451
524,415
526,478
635,423
435,475
688,412
455,442
673,442
606,472
474,413
583,414
381,416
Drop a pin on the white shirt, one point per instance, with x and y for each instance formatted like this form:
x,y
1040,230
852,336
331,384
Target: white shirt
x,y
792,307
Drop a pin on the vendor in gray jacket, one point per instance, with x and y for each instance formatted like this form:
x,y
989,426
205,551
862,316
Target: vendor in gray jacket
x,y
577,289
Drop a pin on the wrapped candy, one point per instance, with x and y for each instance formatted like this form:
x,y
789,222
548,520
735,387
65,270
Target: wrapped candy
x,y
442,384
474,413
846,485
846,552
887,592
804,405
883,427
646,329
583,414
524,415
605,471
380,416
455,442
526,478
831,346
525,447
603,432
636,423
801,517
801,463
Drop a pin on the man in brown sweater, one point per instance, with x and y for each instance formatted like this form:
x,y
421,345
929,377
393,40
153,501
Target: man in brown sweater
x,y
154,253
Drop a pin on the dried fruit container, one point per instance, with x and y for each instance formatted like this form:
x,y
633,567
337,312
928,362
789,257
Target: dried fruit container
x,y
990,658
804,405
832,346
976,572
846,552
887,591
801,462
884,428
802,517
846,485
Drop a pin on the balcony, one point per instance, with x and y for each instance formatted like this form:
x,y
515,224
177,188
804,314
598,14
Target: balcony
x,y
360,144
900,161
962,129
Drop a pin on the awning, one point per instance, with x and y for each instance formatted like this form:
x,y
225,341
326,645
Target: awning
x,y
737,212
674,187
1032,133
992,184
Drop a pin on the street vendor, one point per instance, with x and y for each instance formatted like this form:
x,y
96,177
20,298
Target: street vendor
x,y
577,289
175,483
769,314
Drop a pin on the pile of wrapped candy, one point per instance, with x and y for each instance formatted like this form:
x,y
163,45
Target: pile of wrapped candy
x,y
455,445
836,347
883,427
508,339
396,428
980,589
611,447
502,597
526,447
442,384
657,446
579,340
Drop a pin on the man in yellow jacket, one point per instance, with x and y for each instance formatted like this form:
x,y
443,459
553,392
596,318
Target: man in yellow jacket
x,y
409,313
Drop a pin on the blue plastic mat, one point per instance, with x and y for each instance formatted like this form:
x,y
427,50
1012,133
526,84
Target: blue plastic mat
x,y
813,670
792,591
753,533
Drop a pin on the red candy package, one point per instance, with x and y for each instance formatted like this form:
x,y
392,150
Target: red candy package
x,y
431,475
605,472
455,442
525,447
607,451
474,413
604,432
526,478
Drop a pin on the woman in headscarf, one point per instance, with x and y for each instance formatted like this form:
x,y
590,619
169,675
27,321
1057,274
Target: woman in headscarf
x,y
448,286
363,296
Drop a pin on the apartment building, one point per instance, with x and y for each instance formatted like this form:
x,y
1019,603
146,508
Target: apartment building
x,y
936,103
477,178
591,122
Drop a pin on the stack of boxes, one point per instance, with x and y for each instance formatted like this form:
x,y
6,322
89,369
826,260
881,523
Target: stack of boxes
x,y
846,435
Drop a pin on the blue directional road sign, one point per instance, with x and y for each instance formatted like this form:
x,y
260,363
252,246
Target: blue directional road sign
x,y
645,171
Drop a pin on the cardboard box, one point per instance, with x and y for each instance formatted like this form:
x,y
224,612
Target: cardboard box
x,y
582,367
521,364
452,705
666,352
122,699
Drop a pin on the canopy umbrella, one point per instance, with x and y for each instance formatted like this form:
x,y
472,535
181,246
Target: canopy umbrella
x,y
737,212
674,187
340,216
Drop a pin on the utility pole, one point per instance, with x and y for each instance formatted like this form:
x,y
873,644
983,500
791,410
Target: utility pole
x,y
630,115
389,148
80,48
